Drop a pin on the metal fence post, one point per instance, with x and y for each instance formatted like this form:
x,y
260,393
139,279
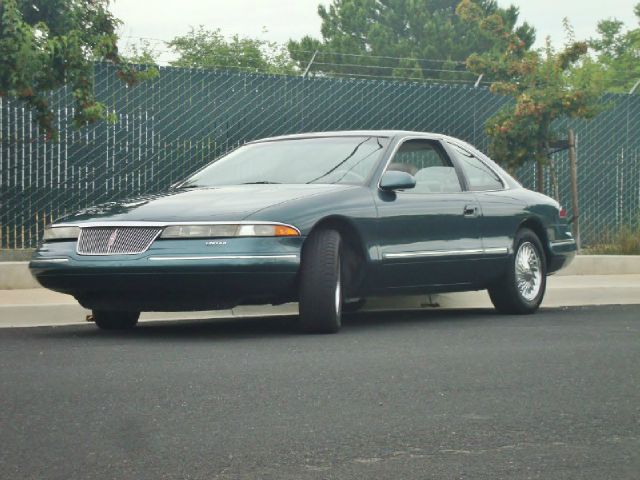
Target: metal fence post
x,y
575,208
306,70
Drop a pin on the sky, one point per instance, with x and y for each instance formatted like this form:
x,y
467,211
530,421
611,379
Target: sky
x,y
285,19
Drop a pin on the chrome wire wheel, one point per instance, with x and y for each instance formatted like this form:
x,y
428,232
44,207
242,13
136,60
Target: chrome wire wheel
x,y
528,271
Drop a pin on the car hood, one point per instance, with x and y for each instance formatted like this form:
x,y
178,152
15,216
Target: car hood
x,y
228,203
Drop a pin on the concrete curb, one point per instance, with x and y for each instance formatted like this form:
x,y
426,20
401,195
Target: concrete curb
x,y
603,265
40,307
16,275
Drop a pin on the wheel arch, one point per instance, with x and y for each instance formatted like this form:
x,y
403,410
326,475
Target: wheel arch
x,y
356,255
535,224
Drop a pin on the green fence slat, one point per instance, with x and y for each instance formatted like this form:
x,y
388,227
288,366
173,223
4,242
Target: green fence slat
x,y
174,124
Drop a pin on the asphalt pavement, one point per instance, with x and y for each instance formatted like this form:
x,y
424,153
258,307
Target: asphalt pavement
x,y
437,394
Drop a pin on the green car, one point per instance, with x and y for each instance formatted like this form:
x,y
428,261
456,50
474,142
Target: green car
x,y
325,219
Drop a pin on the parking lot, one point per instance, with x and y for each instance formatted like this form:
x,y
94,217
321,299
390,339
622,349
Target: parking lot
x,y
440,394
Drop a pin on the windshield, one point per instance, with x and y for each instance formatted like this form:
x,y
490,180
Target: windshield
x,y
347,160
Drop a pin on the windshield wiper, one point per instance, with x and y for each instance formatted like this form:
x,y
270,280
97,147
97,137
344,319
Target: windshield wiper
x,y
342,162
262,182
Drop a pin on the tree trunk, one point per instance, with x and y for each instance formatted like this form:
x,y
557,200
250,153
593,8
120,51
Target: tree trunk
x,y
553,175
539,176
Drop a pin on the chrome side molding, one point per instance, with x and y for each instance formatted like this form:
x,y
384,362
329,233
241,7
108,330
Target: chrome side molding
x,y
449,253
223,257
563,242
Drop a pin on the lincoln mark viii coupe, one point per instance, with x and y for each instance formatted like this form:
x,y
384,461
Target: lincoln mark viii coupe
x,y
325,219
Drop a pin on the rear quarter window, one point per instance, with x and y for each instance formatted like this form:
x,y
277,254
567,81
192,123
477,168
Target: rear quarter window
x,y
479,176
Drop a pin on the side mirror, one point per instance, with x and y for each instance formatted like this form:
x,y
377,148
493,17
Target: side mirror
x,y
396,180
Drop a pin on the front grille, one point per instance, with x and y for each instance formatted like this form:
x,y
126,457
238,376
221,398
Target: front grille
x,y
116,240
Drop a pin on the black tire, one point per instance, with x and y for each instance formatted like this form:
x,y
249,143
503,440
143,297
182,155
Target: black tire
x,y
321,293
112,320
505,294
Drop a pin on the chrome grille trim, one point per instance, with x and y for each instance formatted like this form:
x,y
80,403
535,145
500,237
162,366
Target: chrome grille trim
x,y
116,240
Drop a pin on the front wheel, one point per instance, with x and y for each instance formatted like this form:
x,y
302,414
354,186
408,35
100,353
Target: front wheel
x,y
112,320
321,292
353,305
522,288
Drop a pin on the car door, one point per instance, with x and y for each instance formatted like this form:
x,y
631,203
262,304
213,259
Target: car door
x,y
429,236
501,211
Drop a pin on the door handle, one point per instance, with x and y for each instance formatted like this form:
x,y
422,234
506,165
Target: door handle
x,y
470,211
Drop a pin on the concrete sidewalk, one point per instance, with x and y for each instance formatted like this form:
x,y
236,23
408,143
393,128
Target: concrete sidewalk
x,y
40,307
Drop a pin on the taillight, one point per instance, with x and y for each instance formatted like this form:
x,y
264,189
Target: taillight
x,y
563,212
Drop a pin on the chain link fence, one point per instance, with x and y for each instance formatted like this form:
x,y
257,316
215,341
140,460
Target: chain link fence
x,y
174,124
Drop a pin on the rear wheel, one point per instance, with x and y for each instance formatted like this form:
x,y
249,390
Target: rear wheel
x,y
321,292
522,288
112,320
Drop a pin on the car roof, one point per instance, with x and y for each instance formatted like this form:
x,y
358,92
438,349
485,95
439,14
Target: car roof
x,y
394,134
354,133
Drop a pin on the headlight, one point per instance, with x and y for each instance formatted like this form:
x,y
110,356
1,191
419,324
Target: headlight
x,y
226,231
61,233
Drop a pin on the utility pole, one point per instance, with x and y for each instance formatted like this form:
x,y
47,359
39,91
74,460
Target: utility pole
x,y
573,162
306,71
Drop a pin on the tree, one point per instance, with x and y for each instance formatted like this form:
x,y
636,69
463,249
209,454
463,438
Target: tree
x,y
618,54
421,39
46,44
143,53
540,84
204,48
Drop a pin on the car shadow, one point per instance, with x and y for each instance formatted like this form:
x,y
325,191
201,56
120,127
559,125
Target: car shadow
x,y
265,327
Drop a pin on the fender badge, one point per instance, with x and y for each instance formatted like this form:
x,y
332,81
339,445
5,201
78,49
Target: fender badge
x,y
214,243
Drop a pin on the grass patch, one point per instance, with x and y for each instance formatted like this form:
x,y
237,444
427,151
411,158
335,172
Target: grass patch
x,y
625,241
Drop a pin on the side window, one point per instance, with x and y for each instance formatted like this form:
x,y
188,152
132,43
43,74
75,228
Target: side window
x,y
428,163
479,176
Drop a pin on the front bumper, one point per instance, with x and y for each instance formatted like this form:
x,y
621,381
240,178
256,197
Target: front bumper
x,y
174,274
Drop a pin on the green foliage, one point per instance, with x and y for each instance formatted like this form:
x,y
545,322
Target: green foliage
x,y
540,83
143,53
46,44
618,54
356,34
204,48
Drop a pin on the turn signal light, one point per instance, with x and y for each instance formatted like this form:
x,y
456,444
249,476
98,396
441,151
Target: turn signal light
x,y
229,231
284,231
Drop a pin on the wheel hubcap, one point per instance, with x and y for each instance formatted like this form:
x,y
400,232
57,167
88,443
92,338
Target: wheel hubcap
x,y
528,274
